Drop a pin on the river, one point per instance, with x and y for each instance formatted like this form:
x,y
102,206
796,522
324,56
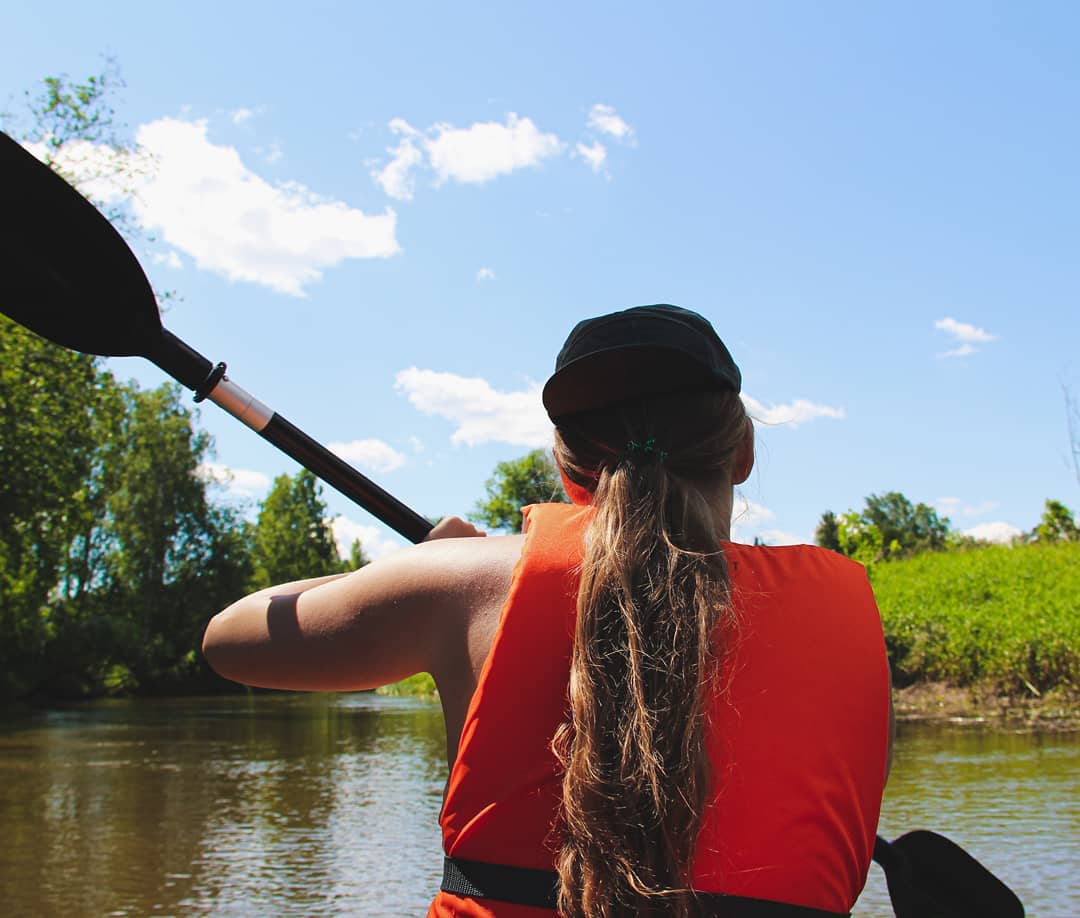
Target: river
x,y
285,804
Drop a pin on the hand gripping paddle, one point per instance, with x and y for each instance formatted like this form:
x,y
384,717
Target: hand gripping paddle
x,y
68,275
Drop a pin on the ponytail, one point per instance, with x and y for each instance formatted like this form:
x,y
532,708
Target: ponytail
x,y
653,608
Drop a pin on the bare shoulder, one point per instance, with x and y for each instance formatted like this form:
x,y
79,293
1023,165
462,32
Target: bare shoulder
x,y
450,570
410,612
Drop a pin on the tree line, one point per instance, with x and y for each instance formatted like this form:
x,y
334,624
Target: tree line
x,y
114,544
890,527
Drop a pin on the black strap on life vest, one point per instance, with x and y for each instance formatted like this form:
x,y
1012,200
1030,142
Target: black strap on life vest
x,y
539,888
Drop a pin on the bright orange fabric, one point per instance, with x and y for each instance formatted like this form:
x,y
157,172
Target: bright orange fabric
x,y
797,751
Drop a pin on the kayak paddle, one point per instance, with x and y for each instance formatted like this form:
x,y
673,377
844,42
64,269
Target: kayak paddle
x,y
69,276
930,876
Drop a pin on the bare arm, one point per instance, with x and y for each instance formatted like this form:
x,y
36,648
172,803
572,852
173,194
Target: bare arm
x,y
404,614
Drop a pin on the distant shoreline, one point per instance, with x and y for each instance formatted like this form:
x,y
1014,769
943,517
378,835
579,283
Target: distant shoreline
x,y
927,702
938,702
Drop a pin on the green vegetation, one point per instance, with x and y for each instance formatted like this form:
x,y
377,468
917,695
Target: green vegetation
x,y
532,479
1006,616
113,548
422,685
964,612
292,539
889,527
110,550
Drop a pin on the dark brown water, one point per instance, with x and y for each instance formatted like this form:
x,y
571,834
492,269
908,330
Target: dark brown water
x,y
327,805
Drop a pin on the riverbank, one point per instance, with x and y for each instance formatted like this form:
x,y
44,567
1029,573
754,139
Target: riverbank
x,y
939,702
1001,616
925,702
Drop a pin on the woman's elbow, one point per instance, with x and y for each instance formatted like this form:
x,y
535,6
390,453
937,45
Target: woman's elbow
x,y
226,639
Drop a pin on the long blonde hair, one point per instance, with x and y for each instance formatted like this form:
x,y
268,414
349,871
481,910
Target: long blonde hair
x,y
652,611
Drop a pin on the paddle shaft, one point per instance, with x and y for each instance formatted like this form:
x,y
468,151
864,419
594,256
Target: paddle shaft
x,y
193,370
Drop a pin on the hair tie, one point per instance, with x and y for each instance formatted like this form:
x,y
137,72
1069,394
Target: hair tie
x,y
648,449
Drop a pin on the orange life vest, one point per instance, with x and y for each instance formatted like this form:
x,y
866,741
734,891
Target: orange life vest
x,y
797,752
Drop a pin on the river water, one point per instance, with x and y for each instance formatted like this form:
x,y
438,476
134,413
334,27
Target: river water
x,y
327,805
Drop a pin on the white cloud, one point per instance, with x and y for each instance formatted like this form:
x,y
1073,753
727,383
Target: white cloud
x,y
966,335
779,537
396,177
956,507
797,412
202,200
417,444
604,118
271,154
488,149
373,455
595,155
241,482
375,542
962,331
998,531
242,115
748,521
169,258
207,203
103,174
485,274
746,513
481,413
472,155
961,351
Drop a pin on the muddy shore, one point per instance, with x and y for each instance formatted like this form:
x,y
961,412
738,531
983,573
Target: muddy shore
x,y
935,701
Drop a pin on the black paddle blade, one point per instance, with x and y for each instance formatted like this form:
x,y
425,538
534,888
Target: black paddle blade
x,y
931,877
66,273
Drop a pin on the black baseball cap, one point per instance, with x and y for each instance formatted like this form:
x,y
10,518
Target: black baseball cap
x,y
646,350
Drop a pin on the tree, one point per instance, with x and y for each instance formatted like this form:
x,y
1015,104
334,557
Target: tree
x,y
48,403
532,479
1056,525
64,111
292,538
859,540
357,557
72,127
827,533
888,527
111,555
165,533
905,528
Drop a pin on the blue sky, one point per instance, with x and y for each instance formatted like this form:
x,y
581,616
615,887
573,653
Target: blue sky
x,y
386,217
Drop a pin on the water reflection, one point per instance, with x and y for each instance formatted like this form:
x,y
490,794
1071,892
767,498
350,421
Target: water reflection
x,y
326,805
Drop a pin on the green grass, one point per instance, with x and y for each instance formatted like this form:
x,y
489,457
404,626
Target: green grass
x,y
1003,616
422,685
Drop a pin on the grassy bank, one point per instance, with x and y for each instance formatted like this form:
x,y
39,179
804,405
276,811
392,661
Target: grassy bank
x,y
1005,619
419,686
